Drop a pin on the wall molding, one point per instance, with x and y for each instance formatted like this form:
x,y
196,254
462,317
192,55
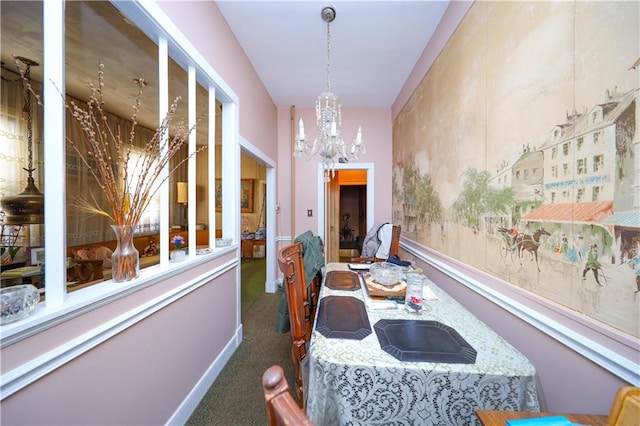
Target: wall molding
x,y
609,358
31,371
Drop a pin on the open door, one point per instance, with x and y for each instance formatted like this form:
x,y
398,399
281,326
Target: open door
x,y
332,213
346,214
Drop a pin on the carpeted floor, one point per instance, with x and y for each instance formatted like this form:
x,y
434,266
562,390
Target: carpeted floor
x,y
236,397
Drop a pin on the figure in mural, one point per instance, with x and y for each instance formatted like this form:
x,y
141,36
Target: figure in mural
x,y
635,264
592,263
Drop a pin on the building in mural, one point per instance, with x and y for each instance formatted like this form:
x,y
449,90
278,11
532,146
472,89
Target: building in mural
x,y
589,175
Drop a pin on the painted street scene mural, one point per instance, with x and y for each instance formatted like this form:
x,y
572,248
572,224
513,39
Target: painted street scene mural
x,y
518,154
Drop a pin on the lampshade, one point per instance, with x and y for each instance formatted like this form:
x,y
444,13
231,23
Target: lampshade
x,y
183,193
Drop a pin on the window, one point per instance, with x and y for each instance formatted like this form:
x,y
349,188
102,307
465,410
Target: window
x,y
525,174
581,166
553,197
598,162
595,195
579,143
534,172
596,137
554,152
565,148
183,77
517,174
580,195
554,171
565,169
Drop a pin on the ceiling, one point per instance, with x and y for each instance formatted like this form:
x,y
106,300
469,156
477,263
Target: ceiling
x,y
374,46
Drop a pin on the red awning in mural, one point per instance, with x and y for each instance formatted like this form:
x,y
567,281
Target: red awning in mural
x,y
595,211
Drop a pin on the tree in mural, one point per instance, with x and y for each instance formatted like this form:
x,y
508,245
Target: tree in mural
x,y
428,202
478,198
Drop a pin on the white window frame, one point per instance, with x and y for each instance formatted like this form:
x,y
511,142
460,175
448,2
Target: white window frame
x,y
61,305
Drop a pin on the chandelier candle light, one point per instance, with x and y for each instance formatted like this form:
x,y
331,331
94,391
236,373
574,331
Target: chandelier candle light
x,y
329,142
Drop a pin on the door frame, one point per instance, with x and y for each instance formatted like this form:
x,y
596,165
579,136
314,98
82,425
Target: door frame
x,y
250,150
370,168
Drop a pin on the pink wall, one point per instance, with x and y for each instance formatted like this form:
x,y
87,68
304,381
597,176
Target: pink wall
x,y
376,130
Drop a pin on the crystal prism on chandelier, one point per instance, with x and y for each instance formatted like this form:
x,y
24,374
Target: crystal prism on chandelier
x,y
329,142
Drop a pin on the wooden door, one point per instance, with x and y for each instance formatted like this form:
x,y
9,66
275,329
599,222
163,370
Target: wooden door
x,y
332,215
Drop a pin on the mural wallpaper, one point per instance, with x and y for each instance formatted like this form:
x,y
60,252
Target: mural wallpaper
x,y
518,153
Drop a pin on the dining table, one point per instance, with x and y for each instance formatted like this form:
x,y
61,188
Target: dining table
x,y
370,362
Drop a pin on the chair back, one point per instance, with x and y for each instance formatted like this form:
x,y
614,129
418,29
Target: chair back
x,y
394,244
281,406
389,237
290,261
625,409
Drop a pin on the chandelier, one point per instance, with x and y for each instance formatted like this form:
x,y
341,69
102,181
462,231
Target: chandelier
x,y
26,207
329,142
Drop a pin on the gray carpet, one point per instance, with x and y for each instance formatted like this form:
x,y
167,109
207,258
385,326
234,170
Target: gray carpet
x,y
236,397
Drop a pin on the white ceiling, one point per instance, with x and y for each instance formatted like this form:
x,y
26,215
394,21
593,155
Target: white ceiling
x,y
374,46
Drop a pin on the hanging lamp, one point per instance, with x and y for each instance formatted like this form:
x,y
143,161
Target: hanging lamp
x,y
329,143
27,207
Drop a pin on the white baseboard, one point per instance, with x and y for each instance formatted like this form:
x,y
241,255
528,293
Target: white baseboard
x,y
191,402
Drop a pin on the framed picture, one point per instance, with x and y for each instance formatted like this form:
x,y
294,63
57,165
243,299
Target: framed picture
x,y
246,195
35,255
218,195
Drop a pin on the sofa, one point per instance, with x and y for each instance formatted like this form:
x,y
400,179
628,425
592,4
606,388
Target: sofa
x,y
92,262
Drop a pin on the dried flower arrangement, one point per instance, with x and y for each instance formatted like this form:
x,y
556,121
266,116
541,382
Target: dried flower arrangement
x,y
127,197
128,185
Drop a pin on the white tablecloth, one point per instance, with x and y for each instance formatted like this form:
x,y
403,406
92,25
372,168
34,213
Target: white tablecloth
x,y
355,382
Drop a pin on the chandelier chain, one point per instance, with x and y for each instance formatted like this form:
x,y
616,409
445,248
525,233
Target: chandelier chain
x,y
328,57
27,106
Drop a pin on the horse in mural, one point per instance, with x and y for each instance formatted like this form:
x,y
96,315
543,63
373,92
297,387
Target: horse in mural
x,y
530,243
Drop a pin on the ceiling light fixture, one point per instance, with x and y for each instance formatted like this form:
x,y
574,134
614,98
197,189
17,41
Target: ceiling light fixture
x,y
329,142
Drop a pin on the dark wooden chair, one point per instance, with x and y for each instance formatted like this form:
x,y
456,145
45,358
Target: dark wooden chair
x,y
291,264
394,247
281,406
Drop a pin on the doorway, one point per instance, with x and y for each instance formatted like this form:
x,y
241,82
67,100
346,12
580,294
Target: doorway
x,y
345,206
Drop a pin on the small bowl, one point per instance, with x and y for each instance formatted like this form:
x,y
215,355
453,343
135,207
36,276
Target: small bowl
x,y
385,273
17,302
223,242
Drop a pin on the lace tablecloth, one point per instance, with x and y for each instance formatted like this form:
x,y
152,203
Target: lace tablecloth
x,y
355,382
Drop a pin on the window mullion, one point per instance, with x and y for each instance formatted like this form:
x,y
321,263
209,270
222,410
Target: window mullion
x,y
163,109
211,144
54,148
191,170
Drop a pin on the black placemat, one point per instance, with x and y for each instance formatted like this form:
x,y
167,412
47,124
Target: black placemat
x,y
342,280
343,317
428,341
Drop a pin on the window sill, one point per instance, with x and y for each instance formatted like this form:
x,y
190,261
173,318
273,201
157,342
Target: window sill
x,y
87,299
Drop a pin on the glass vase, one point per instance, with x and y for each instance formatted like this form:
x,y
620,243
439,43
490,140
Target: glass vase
x,y
125,261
